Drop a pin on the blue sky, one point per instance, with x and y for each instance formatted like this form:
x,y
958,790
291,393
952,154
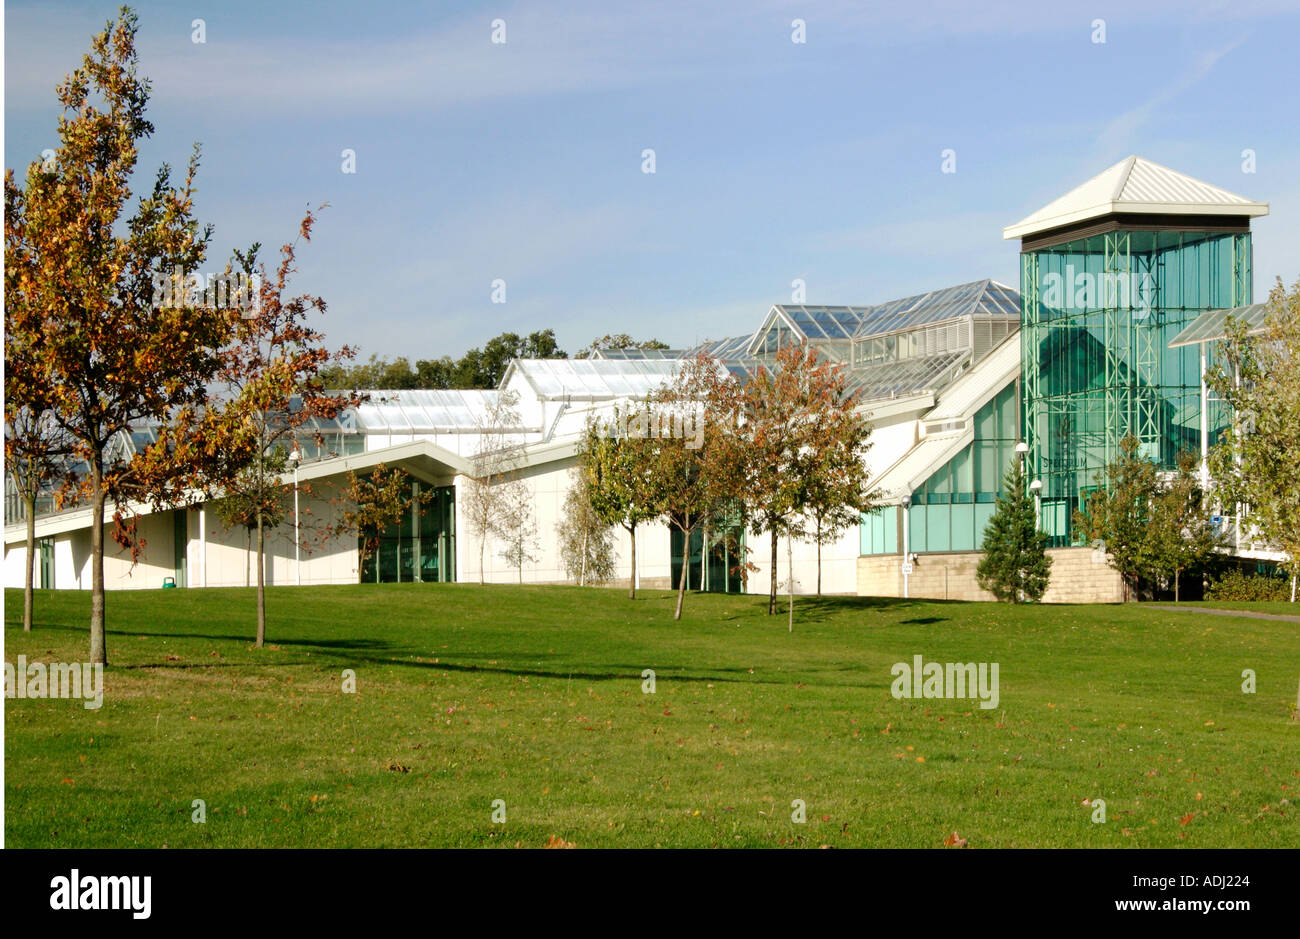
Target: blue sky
x,y
774,160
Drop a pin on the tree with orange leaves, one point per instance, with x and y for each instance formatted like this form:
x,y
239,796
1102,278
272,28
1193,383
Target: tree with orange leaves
x,y
271,392
110,355
696,461
804,442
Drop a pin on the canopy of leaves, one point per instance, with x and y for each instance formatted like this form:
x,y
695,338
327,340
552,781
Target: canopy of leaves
x,y
477,368
1256,462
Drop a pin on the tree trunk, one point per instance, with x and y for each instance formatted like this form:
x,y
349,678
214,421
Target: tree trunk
x,y
98,646
819,557
261,583
771,594
681,578
30,505
582,573
631,584
789,569
1175,586
482,555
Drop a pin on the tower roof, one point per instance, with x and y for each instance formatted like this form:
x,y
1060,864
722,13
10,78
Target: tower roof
x,y
1139,187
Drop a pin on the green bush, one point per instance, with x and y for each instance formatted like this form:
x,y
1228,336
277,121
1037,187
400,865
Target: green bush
x,y
1238,585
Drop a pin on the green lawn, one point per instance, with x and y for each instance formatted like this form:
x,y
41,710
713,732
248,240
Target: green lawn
x,y
469,694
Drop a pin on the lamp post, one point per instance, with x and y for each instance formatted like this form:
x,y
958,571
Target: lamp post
x,y
1036,487
907,557
295,458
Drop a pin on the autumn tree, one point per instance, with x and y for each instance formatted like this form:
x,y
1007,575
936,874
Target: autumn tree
x,y
617,469
1255,465
35,451
113,354
35,447
271,397
804,445
832,462
699,478
370,504
244,504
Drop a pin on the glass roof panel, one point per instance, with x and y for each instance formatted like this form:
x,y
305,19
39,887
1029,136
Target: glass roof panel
x,y
1213,324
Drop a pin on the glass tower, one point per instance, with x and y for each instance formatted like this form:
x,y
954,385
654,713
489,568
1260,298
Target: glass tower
x,y
1101,298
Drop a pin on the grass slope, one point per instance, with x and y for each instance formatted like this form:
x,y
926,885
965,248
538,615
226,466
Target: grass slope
x,y
533,695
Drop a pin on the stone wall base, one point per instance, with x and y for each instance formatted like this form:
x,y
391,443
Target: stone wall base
x,y
1079,575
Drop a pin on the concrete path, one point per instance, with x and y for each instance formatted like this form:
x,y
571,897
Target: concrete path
x,y
1250,613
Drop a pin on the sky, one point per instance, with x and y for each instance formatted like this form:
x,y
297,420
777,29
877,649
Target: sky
x,y
774,160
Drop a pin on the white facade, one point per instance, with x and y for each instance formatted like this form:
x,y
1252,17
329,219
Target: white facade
x,y
433,436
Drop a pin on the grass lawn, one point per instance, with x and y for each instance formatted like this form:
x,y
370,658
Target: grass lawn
x,y
533,695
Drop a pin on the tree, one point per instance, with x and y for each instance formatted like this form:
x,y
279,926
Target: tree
x,y
1255,464
33,455
1183,537
492,490
832,464
618,341
35,448
586,541
518,528
804,446
1015,567
272,394
370,504
477,368
698,486
113,354
622,488
1120,514
246,504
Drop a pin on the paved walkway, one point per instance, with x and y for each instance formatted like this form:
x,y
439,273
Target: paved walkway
x,y
1250,613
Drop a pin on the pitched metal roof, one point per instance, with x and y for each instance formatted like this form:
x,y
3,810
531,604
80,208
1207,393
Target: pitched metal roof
x,y
1137,186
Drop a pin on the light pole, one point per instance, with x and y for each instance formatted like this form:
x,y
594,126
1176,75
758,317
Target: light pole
x,y
1036,487
295,458
907,557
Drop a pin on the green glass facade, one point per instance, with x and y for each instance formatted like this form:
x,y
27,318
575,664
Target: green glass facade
x,y
1097,315
949,510
720,573
879,532
421,548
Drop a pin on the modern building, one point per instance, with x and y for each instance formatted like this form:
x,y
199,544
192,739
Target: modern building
x,y
1125,285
